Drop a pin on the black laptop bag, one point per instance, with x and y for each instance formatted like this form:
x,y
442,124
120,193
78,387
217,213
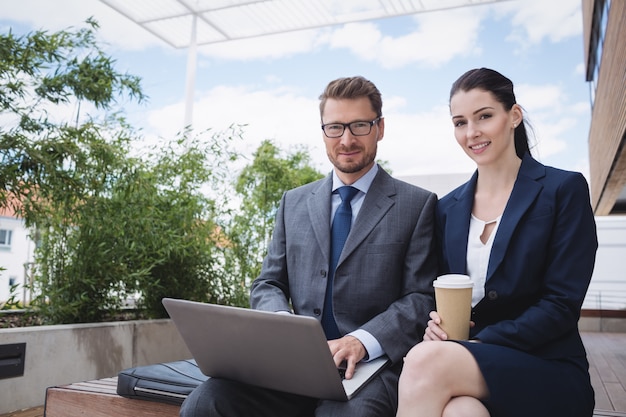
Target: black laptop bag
x,y
168,382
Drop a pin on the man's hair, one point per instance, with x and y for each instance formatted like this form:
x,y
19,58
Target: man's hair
x,y
353,88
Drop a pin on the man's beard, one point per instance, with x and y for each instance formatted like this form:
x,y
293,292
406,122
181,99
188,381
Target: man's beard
x,y
353,166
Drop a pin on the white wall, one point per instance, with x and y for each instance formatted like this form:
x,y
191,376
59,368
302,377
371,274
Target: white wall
x,y
440,184
608,283
13,258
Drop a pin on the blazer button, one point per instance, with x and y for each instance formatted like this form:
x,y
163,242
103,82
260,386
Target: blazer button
x,y
317,311
323,273
492,295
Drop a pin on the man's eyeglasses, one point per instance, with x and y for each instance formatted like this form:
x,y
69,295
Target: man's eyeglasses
x,y
335,130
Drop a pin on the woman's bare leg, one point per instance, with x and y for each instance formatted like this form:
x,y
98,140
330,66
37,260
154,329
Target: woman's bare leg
x,y
434,373
465,407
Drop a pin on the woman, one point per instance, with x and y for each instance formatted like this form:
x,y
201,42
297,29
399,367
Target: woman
x,y
525,234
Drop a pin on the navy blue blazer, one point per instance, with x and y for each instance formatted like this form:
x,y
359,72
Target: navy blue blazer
x,y
541,261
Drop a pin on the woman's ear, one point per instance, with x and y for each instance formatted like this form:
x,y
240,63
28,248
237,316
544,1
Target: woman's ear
x,y
517,115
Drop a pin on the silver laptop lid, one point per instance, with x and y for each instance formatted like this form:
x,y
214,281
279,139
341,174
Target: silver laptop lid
x,y
278,351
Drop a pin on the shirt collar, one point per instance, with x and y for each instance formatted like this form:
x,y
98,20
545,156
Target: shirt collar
x,y
362,184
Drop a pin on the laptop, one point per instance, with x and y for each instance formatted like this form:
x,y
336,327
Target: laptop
x,y
278,351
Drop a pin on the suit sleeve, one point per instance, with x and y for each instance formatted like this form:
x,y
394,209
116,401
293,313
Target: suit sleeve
x,y
402,325
270,290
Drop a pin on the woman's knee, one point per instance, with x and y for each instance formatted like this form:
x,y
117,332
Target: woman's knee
x,y
465,406
438,364
424,358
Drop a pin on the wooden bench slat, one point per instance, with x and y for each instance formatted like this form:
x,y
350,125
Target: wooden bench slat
x,y
602,413
93,386
95,399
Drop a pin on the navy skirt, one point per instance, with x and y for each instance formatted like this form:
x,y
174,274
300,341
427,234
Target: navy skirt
x,y
524,385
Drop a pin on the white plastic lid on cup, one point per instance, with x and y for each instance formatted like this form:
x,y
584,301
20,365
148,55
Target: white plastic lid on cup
x,y
453,281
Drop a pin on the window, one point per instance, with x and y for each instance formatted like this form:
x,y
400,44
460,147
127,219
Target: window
x,y
601,16
5,238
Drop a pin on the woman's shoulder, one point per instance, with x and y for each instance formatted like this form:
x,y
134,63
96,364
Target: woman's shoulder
x,y
532,167
559,178
550,177
561,185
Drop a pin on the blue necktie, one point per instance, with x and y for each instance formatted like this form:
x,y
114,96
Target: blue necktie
x,y
339,234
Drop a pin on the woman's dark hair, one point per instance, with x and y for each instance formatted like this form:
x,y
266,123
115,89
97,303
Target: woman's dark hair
x,y
502,89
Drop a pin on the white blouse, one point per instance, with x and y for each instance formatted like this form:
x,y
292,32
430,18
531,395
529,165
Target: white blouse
x,y
478,254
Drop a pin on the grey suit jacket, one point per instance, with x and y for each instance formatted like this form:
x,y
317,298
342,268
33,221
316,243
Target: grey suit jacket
x,y
383,280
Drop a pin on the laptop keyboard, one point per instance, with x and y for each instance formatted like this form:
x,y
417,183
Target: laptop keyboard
x,y
342,370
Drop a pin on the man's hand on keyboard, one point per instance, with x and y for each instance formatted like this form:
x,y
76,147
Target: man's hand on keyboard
x,y
347,349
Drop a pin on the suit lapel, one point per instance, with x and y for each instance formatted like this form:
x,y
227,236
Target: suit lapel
x,y
457,229
378,201
524,193
319,211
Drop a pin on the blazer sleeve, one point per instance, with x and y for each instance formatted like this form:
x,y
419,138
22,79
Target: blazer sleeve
x,y
561,269
270,290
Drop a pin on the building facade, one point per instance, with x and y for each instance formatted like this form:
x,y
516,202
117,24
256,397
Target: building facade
x,y
16,254
604,31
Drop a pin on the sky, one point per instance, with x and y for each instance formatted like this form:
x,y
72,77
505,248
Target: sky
x,y
272,84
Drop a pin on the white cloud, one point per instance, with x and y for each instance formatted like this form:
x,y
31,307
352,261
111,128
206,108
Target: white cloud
x,y
553,118
55,15
582,108
279,114
582,166
536,99
536,20
549,136
438,38
45,14
422,143
414,143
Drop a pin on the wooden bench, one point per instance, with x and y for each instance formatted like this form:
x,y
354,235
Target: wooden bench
x,y
99,398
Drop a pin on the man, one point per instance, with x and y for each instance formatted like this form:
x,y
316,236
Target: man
x,y
376,300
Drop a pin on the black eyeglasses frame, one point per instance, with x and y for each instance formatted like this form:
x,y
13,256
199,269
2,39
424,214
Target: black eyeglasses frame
x,y
348,125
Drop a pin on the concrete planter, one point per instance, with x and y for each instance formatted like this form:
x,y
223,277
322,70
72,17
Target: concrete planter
x,y
62,354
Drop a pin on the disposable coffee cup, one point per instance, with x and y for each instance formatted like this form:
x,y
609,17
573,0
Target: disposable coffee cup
x,y
453,296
